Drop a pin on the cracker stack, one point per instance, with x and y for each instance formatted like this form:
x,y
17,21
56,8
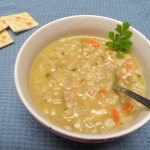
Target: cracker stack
x,y
17,23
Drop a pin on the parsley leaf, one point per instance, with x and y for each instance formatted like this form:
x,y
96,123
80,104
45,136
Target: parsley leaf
x,y
111,35
120,41
119,55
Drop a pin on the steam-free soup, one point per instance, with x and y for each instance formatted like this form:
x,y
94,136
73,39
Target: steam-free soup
x,y
71,84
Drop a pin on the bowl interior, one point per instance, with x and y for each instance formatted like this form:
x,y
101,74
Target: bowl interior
x,y
73,26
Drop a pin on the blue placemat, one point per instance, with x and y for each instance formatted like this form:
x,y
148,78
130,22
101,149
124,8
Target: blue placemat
x,y
18,129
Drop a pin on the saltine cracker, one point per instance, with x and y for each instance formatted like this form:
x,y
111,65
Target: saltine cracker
x,y
20,22
5,38
3,25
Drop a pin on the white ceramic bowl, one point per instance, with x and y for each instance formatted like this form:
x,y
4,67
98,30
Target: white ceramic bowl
x,y
72,26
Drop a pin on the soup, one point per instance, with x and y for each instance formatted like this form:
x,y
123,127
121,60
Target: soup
x,y
71,85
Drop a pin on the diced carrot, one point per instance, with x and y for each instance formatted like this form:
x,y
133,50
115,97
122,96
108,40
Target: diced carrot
x,y
102,58
94,43
129,67
103,91
128,107
115,115
75,89
119,77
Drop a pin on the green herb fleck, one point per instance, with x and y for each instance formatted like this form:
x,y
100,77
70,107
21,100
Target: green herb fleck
x,y
119,55
82,80
121,40
47,75
96,63
63,53
74,69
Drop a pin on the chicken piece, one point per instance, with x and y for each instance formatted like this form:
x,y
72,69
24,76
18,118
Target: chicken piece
x,y
67,99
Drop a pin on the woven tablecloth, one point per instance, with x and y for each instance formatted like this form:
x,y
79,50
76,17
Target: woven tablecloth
x,y
18,129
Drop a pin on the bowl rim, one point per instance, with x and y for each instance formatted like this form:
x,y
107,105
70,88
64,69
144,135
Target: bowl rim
x,y
55,128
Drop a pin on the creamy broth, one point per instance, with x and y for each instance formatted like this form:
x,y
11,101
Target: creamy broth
x,y
71,85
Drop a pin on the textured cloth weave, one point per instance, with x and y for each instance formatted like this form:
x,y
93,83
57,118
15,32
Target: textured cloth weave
x,y
18,129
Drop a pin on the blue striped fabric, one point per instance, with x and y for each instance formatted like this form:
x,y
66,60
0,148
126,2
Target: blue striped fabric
x,y
18,129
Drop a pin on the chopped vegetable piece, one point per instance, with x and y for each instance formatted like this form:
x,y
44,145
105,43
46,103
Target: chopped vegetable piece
x,y
128,108
47,75
119,55
119,77
129,67
115,115
94,43
102,58
74,69
103,91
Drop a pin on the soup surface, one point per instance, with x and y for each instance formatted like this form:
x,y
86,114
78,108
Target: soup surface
x,y
71,84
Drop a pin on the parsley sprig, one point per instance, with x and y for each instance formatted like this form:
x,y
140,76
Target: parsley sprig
x,y
120,41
